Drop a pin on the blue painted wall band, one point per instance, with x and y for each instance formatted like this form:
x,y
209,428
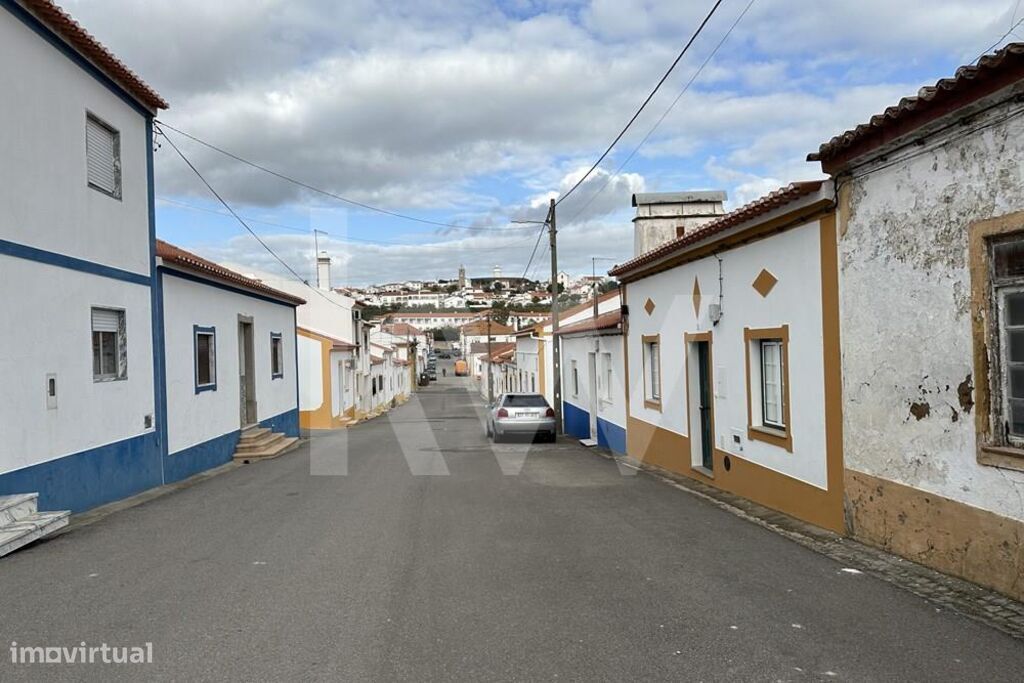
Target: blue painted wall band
x,y
52,258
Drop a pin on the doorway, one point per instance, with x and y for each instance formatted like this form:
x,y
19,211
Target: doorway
x,y
700,401
246,373
592,391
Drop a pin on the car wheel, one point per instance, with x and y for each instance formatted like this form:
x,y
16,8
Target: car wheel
x,y
551,437
496,437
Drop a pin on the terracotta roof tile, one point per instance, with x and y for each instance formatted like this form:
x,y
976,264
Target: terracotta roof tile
x,y
61,23
337,344
605,321
756,208
972,82
189,261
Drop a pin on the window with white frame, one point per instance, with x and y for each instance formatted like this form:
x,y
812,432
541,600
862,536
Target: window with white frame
x,y
652,369
109,345
276,356
102,156
606,363
575,380
772,378
205,349
1008,295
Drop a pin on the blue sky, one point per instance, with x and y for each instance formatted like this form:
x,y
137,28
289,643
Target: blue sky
x,y
475,113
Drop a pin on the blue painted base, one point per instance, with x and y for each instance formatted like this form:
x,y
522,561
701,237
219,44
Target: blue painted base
x,y
287,422
577,420
84,480
611,436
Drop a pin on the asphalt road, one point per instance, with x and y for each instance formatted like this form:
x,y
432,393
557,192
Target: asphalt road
x,y
527,563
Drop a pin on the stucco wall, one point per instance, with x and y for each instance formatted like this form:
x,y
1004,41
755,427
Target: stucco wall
x,y
793,257
42,135
906,315
578,348
53,334
195,418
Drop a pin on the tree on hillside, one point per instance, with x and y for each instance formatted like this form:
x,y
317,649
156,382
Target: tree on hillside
x,y
499,312
447,333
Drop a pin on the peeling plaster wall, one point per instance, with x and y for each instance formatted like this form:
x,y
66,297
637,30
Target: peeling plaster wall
x,y
905,311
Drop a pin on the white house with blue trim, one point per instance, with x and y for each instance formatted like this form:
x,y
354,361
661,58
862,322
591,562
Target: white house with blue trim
x,y
229,364
80,410
594,379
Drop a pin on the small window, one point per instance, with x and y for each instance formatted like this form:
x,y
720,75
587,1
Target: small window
x,y
772,395
276,356
103,157
1011,318
109,347
205,344
606,360
575,380
652,371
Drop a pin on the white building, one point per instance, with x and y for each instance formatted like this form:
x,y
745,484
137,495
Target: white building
x,y
229,364
715,317
593,380
931,225
81,413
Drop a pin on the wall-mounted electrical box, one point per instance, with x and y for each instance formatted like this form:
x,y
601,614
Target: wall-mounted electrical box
x,y
51,391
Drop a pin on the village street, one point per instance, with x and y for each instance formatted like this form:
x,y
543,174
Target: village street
x,y
567,570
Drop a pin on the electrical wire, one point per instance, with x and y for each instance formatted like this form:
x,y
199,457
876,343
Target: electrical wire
x,y
321,191
346,238
662,118
540,233
618,137
1001,39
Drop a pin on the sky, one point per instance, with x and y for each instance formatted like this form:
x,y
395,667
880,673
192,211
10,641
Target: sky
x,y
474,114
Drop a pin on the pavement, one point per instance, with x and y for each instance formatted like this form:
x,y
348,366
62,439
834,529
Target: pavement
x,y
516,562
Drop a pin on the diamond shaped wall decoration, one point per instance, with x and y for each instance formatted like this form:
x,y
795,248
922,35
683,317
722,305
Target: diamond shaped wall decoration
x,y
764,282
649,306
696,297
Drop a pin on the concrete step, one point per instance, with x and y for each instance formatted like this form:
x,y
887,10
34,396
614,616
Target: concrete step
x,y
16,506
30,528
284,445
264,442
253,434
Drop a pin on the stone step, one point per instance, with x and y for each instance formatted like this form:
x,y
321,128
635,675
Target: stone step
x,y
284,445
264,442
16,506
30,528
253,434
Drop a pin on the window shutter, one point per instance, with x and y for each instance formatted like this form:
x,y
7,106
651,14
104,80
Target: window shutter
x,y
101,155
105,320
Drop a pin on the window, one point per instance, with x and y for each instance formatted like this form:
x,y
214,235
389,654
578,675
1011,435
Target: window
x,y
575,380
205,346
109,347
768,404
606,361
771,383
1008,293
276,356
652,371
102,157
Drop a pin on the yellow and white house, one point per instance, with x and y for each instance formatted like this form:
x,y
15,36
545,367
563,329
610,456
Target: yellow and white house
x,y
732,354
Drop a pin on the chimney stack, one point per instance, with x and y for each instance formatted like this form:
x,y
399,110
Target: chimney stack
x,y
323,271
663,216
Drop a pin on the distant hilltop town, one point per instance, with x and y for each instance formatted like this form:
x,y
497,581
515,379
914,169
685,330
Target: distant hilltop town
x,y
519,299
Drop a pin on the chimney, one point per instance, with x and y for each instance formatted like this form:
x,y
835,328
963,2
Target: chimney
x,y
323,271
663,216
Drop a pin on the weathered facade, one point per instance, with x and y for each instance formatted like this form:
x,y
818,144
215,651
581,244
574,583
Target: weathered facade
x,y
931,213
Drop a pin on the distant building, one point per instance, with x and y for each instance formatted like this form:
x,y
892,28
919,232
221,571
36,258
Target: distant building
x,y
663,216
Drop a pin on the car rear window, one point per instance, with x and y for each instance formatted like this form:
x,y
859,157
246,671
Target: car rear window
x,y
528,401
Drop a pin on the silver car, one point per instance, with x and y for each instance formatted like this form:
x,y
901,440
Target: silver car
x,y
523,414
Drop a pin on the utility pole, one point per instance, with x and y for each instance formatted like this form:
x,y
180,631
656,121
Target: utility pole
x,y
556,353
490,380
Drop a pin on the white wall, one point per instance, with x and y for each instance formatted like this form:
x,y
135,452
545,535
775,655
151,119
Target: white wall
x,y
578,348
53,334
194,418
905,302
794,258
46,202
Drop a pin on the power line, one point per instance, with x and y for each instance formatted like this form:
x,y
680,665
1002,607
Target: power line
x,y
294,228
540,233
244,224
321,191
661,119
1001,38
645,102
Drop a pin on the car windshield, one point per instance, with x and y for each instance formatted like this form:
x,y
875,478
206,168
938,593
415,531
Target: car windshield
x,y
525,401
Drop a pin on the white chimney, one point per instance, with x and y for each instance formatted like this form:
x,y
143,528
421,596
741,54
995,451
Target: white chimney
x,y
323,271
663,216
497,272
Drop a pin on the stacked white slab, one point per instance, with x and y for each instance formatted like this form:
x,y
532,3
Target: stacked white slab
x,y
21,522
